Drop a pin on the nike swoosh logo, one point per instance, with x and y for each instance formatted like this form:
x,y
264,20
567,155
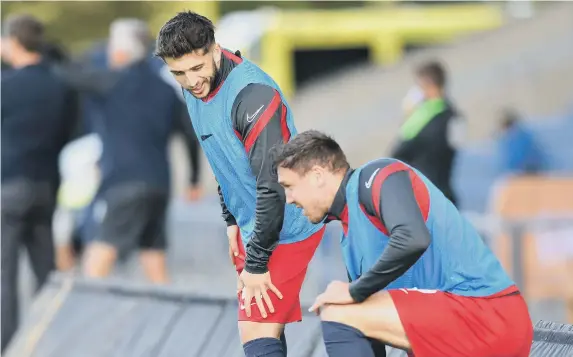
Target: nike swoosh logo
x,y
205,137
368,183
250,118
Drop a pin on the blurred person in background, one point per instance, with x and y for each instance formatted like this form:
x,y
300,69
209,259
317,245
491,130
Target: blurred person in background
x,y
98,57
433,130
68,215
138,113
239,113
38,112
80,179
518,150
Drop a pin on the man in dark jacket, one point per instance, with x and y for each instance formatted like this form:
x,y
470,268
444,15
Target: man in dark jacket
x,y
37,114
431,134
138,112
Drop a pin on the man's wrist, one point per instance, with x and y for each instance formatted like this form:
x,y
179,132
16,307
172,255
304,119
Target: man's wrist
x,y
256,269
231,221
355,292
256,259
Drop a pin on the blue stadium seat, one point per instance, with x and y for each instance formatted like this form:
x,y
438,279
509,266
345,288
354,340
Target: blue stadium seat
x,y
477,167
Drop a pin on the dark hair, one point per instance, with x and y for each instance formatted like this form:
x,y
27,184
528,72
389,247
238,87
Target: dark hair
x,y
27,30
184,33
55,53
434,71
509,118
307,149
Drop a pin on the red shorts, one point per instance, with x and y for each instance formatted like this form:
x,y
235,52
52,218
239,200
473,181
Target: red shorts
x,y
287,266
440,324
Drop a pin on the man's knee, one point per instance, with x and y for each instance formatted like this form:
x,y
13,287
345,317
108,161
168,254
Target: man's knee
x,y
334,313
377,318
250,330
262,339
100,259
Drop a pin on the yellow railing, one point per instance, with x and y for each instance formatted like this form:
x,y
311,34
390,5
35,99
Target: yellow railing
x,y
384,31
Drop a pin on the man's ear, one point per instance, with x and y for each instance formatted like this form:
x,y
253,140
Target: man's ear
x,y
318,175
217,52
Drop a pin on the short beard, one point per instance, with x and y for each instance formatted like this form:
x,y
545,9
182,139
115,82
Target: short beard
x,y
213,79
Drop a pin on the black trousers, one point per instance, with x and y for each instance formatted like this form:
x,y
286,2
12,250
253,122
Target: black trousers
x,y
27,209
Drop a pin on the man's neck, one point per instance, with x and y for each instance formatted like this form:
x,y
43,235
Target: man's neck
x,y
226,65
337,179
26,59
337,193
434,94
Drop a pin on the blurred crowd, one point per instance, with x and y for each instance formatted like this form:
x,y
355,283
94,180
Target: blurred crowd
x,y
85,159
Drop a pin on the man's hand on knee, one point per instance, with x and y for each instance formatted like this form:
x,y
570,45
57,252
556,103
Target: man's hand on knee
x,y
337,293
256,286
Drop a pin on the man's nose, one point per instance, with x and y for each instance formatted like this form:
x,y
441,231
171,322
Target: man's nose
x,y
192,79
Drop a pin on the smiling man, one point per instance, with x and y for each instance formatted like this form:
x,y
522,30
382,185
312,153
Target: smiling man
x,y
422,278
239,113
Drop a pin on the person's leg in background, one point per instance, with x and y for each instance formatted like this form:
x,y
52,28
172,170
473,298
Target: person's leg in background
x,y
117,231
17,200
153,243
40,243
264,337
63,231
134,215
13,231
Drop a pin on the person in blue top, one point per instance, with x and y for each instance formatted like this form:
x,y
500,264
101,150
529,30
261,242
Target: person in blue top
x,y
421,277
239,113
517,146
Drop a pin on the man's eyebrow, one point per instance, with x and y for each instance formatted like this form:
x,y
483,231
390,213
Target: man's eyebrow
x,y
190,69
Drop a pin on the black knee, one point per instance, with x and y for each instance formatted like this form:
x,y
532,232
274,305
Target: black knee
x,y
343,340
264,347
283,341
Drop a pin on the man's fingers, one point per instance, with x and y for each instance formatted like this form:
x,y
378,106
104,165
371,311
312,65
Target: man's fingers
x,y
268,301
275,290
240,285
233,235
248,298
231,255
234,246
260,304
317,304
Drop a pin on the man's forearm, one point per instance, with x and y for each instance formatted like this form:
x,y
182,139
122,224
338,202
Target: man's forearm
x,y
399,212
227,216
269,217
183,125
258,114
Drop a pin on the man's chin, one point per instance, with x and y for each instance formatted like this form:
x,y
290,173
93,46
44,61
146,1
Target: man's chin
x,y
199,95
315,220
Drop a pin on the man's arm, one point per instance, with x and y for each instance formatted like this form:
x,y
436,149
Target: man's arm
x,y
86,79
257,115
184,127
395,205
227,216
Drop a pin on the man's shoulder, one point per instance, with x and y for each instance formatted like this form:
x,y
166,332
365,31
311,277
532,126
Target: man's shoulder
x,y
256,92
253,98
369,171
